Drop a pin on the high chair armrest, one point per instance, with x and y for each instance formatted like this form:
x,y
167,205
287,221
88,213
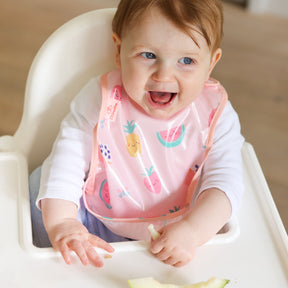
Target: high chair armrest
x,y
7,143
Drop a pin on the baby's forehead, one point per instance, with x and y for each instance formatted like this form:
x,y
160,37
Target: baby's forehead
x,y
192,28
189,29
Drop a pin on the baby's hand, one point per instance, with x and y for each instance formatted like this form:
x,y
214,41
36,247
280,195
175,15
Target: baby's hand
x,y
176,245
71,235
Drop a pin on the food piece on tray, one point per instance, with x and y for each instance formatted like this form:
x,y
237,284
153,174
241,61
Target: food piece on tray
x,y
154,234
150,282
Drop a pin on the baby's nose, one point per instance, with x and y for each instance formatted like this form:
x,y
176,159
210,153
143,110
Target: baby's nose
x,y
163,73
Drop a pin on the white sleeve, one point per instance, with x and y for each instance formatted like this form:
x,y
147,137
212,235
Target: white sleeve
x,y
223,167
64,171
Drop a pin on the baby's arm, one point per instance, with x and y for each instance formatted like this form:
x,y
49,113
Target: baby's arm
x,y
222,172
67,234
178,241
62,178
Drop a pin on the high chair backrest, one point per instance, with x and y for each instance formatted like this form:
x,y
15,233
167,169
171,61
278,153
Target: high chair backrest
x,y
79,50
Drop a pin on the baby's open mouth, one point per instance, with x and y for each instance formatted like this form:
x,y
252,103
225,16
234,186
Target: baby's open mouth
x,y
162,98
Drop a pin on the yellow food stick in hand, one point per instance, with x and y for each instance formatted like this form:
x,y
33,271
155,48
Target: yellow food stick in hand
x,y
154,234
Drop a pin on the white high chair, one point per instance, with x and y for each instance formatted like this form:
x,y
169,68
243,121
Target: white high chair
x,y
77,51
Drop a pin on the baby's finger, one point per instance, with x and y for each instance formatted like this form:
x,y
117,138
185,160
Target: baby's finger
x,y
100,243
93,256
163,255
78,248
156,246
180,264
65,252
171,261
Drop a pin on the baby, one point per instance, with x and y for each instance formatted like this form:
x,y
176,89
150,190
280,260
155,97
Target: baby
x,y
155,141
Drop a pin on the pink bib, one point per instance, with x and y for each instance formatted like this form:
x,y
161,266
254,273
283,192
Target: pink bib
x,y
145,170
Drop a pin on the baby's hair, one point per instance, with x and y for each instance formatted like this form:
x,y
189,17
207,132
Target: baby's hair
x,y
204,15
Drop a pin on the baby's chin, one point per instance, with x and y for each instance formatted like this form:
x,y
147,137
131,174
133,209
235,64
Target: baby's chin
x,y
162,114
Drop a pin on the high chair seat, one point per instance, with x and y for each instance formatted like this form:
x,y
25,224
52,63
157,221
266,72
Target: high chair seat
x,y
77,51
251,251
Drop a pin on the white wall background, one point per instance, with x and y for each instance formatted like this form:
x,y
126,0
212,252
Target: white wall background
x,y
278,7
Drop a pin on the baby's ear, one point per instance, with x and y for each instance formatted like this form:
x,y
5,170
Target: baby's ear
x,y
214,59
117,45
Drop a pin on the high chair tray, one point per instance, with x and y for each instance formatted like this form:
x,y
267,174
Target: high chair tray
x,y
254,257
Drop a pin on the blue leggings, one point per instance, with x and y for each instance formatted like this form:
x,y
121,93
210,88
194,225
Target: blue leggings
x,y
40,237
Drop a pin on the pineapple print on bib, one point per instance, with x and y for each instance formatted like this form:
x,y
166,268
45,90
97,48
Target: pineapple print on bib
x,y
143,169
133,142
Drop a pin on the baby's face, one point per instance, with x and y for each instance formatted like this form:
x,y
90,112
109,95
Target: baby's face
x,y
163,70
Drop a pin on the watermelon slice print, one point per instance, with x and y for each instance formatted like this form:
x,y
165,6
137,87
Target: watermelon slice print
x,y
104,194
172,137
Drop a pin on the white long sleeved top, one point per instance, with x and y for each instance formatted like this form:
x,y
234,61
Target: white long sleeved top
x,y
65,169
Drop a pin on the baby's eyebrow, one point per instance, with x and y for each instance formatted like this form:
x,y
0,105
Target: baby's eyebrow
x,y
140,48
189,53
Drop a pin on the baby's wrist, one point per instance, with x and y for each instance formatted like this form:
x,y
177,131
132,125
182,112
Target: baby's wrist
x,y
193,232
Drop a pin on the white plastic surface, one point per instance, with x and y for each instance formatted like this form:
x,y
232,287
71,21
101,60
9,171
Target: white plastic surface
x,y
258,257
80,49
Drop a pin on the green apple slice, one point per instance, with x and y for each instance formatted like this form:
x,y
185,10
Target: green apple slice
x,y
150,282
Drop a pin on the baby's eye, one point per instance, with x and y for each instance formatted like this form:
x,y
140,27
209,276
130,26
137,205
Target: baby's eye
x,y
148,55
186,61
